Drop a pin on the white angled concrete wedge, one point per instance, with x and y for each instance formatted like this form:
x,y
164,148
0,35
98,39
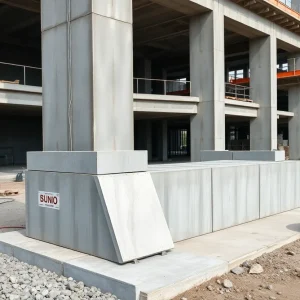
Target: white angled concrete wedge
x,y
134,215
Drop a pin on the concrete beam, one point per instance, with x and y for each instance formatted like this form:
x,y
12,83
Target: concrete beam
x,y
29,5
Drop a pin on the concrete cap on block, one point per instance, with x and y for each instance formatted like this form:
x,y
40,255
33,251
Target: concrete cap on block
x,y
95,163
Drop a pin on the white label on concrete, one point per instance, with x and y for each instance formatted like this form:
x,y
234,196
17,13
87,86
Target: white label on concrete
x,y
49,200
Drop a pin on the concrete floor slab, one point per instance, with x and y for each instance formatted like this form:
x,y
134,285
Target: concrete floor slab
x,y
162,277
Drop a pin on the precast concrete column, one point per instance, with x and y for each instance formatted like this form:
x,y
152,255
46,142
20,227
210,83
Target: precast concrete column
x,y
87,75
263,83
294,123
207,70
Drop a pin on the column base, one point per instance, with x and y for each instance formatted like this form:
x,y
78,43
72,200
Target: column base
x,y
100,203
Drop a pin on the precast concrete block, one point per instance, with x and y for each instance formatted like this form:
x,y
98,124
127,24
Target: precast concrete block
x,y
90,162
235,193
290,187
115,217
185,196
215,155
270,189
259,155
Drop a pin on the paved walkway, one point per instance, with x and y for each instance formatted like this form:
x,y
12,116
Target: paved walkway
x,y
162,277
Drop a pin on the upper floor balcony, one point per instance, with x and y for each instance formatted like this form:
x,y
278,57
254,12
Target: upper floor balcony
x,y
285,13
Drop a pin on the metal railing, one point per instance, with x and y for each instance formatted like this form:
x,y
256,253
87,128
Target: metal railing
x,y
291,65
291,4
237,92
20,74
161,86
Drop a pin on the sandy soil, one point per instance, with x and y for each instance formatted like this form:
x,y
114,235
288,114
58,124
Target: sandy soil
x,y
279,280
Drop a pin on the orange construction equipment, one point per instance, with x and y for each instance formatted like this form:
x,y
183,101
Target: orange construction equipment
x,y
280,75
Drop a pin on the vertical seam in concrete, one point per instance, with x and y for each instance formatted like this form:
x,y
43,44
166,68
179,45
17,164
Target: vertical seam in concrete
x,y
259,200
69,58
93,78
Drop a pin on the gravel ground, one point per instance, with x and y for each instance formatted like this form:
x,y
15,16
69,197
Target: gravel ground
x,y
20,281
279,279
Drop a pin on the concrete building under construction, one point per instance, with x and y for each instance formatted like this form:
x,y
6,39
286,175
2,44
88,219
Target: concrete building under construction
x,y
206,75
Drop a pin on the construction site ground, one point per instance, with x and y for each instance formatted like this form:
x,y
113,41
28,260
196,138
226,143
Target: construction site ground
x,y
280,279
12,207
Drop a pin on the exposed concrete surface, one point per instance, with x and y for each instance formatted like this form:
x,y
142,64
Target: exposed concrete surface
x,y
162,277
246,241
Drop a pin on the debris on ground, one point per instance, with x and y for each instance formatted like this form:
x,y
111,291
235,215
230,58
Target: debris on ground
x,y
238,270
4,193
227,284
256,269
278,279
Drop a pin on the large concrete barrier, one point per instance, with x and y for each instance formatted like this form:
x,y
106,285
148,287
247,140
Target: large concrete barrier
x,y
198,198
186,199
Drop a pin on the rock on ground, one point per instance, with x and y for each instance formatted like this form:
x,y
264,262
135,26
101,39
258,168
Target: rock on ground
x,y
20,281
256,269
238,270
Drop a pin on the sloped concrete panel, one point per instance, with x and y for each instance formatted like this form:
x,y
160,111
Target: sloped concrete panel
x,y
186,200
235,192
134,215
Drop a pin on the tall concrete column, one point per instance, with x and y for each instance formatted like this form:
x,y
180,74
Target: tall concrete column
x,y
263,83
87,75
207,79
294,123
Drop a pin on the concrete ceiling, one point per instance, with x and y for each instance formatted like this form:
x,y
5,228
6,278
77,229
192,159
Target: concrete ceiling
x,y
20,23
274,11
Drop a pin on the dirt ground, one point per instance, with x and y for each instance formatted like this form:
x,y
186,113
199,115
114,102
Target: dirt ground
x,y
12,213
279,280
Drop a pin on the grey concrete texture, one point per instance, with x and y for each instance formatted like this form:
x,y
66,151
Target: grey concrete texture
x,y
259,155
55,12
207,49
251,155
217,195
263,64
85,162
185,197
87,116
115,217
191,263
